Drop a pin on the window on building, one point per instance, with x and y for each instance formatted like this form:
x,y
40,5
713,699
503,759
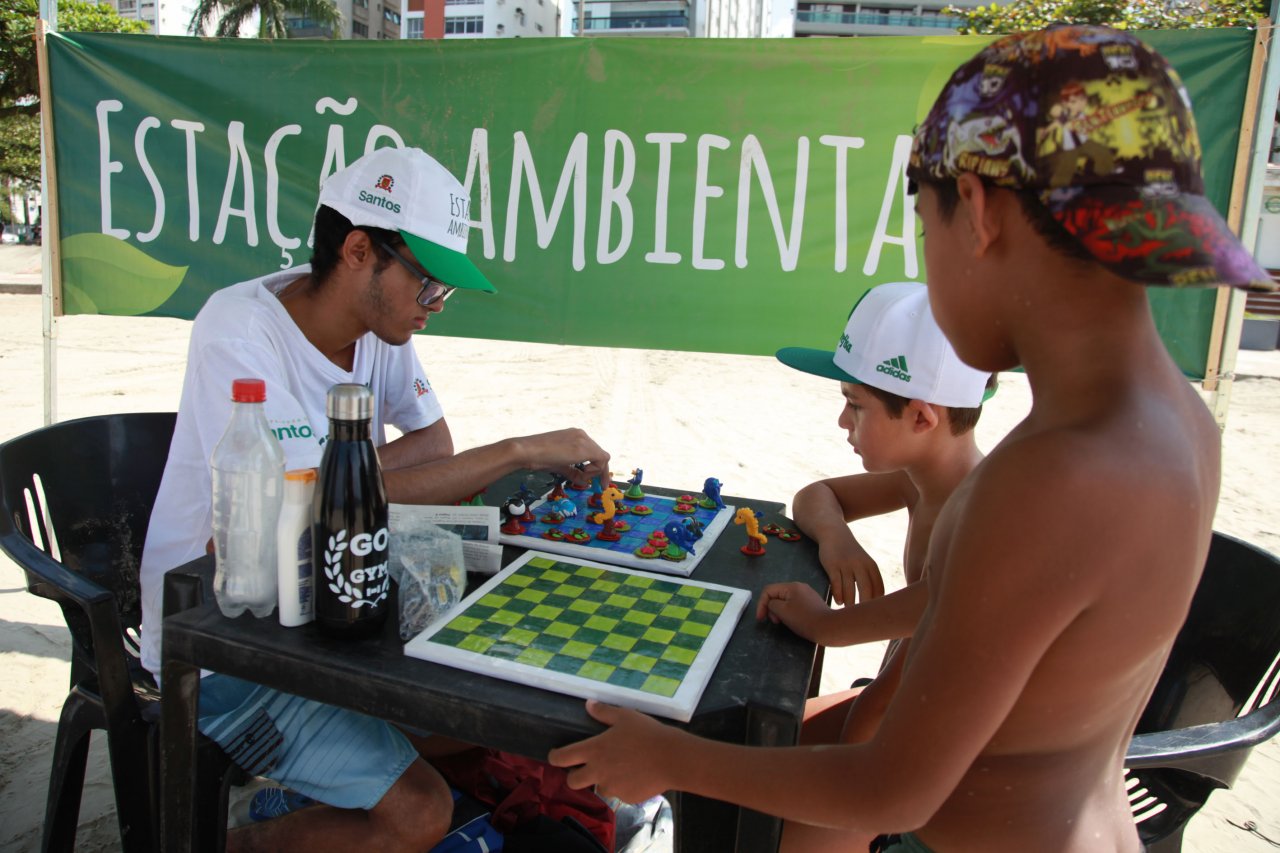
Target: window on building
x,y
463,2
393,17
413,28
359,30
464,25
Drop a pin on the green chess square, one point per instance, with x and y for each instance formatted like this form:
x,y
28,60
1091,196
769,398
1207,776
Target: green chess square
x,y
681,656
666,623
506,617
557,575
573,617
532,595
606,586
648,647
595,595
605,654
629,629
590,635
701,617
543,611
619,642
646,605
639,617
549,642
519,605
707,606
518,579
675,611
600,623
638,581
448,637
564,664
621,677
533,623
583,605
578,581
577,649
559,599
561,629
661,685
658,635
669,669
640,663
596,671
611,611
519,637
534,657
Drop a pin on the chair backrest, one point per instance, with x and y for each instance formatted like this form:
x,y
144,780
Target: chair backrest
x,y
1222,663
82,492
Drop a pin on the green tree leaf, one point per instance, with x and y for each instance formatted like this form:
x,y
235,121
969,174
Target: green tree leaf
x,y
106,275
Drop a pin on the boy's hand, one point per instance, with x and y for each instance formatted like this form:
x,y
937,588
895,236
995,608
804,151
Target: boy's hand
x,y
853,574
625,761
797,606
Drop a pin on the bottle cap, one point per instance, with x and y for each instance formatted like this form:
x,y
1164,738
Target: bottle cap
x,y
349,402
301,475
248,391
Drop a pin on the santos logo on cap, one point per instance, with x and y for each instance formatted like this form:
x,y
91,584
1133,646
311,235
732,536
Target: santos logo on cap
x,y
406,190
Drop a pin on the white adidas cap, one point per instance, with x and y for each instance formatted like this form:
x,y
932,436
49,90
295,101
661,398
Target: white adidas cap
x,y
892,343
406,190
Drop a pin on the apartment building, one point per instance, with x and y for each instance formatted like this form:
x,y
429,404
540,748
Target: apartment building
x,y
164,17
361,19
877,17
480,19
675,18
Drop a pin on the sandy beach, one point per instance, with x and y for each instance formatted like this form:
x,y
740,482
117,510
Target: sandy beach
x,y
758,426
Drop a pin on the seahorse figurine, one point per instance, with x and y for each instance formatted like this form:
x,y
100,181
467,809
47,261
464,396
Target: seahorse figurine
x,y
755,539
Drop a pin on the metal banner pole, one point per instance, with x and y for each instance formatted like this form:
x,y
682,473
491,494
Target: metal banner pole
x,y
50,294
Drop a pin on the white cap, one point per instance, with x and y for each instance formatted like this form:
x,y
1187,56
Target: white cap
x,y
406,190
891,342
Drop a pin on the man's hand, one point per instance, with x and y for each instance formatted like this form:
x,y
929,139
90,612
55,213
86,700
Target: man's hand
x,y
853,574
631,760
798,607
568,452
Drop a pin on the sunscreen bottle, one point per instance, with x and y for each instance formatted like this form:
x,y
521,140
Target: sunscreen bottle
x,y
293,542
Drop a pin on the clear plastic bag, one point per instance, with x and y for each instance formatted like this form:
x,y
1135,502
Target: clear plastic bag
x,y
426,561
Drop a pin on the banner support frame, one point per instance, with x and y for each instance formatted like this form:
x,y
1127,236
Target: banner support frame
x,y
51,265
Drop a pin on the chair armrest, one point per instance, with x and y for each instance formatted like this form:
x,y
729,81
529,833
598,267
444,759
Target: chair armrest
x,y
64,584
1194,747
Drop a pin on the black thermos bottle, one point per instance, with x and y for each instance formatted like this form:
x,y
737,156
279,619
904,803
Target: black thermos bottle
x,y
352,592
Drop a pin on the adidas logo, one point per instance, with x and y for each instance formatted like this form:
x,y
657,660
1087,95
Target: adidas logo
x,y
895,367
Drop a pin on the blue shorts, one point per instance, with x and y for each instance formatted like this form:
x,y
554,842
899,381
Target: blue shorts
x,y
339,757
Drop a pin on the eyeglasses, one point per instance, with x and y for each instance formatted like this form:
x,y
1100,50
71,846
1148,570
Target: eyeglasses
x,y
433,290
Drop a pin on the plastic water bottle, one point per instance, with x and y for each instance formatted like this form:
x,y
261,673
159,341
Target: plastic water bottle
x,y
349,545
248,485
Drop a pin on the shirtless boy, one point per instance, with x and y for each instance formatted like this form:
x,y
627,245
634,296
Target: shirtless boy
x,y
1061,569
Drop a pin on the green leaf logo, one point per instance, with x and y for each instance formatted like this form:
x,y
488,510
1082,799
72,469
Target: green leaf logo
x,y
105,275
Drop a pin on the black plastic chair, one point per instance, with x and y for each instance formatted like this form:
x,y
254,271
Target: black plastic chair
x,y
1219,695
76,500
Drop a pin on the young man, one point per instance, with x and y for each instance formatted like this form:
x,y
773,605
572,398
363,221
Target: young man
x,y
390,248
1061,569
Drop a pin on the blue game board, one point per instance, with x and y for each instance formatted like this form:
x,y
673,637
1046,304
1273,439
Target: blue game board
x,y
622,552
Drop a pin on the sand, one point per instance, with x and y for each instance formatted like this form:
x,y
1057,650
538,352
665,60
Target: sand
x,y
761,428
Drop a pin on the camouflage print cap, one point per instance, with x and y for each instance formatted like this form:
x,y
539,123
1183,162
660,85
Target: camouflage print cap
x,y
1100,126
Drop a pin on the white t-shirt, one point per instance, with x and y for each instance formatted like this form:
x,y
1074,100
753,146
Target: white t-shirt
x,y
244,332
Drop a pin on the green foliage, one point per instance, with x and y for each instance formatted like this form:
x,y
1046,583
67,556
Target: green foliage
x,y
1022,15
272,15
19,78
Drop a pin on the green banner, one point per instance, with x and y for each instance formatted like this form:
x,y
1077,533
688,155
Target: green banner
x,y
690,194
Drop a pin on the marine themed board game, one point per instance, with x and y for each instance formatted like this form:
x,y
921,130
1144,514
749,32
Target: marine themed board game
x,y
628,528
628,638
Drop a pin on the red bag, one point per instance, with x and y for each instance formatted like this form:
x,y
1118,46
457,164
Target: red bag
x,y
520,789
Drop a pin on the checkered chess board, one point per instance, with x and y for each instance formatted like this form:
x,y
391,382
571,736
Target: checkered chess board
x,y
625,637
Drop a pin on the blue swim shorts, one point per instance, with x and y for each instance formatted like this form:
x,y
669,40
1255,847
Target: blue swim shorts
x,y
339,757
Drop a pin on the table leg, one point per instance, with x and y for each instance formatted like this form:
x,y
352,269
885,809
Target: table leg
x,y
179,701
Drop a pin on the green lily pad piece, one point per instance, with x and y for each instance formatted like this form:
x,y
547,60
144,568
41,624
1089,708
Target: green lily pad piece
x,y
105,275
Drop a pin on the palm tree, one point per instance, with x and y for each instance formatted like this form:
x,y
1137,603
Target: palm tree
x,y
272,14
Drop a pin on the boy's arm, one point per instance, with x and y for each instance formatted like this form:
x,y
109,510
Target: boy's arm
x,y
1001,603
889,617
823,511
